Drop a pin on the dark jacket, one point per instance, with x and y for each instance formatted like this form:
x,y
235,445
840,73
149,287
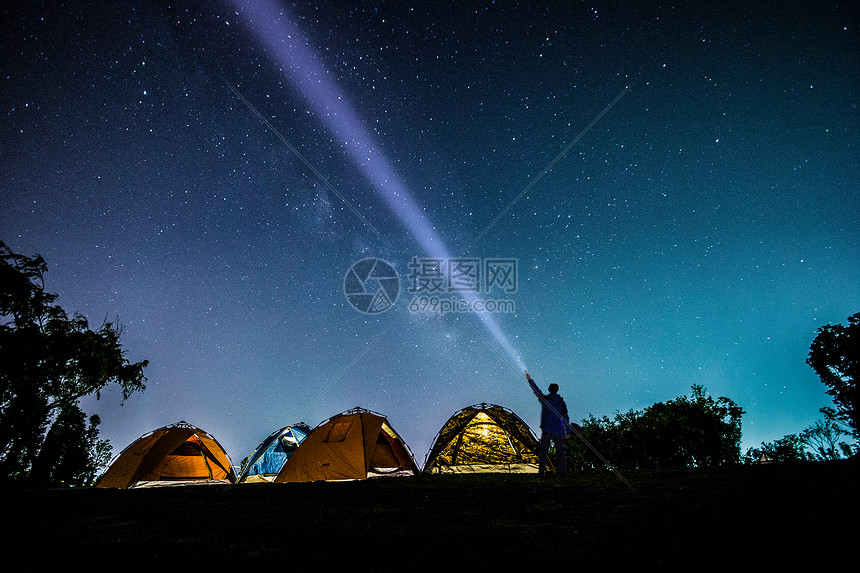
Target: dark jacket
x,y
553,416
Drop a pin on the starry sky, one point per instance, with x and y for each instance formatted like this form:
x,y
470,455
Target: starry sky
x,y
676,183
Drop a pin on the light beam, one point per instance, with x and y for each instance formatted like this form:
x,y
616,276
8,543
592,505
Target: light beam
x,y
276,30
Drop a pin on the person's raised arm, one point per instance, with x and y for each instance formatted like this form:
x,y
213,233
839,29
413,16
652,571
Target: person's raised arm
x,y
534,386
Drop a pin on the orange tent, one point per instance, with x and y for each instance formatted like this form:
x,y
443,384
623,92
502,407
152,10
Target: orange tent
x,y
357,444
172,455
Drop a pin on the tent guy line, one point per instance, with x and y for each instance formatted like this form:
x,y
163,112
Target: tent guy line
x,y
339,376
552,163
573,430
298,154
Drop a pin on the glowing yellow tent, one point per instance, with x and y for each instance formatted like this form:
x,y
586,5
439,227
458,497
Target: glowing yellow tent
x,y
179,454
357,444
483,438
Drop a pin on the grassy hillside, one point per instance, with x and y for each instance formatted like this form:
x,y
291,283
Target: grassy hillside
x,y
769,516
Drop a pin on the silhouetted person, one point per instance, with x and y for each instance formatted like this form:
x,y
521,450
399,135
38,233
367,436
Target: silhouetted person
x,y
554,424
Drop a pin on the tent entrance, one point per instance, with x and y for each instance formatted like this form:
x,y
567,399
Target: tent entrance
x,y
383,460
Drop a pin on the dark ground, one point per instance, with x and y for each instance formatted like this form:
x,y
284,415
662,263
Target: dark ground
x,y
772,517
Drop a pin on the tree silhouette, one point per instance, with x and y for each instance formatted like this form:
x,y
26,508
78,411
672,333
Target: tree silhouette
x,y
48,362
790,448
694,431
823,438
835,357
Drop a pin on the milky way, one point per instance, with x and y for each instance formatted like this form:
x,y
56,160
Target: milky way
x,y
698,233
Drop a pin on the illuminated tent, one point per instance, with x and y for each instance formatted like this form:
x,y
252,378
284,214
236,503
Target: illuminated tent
x,y
357,444
271,455
173,455
484,438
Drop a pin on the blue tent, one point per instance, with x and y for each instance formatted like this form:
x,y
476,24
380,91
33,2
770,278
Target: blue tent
x,y
271,455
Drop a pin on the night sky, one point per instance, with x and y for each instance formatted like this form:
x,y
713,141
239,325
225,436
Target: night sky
x,y
211,193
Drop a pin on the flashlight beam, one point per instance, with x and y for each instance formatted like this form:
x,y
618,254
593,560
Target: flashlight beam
x,y
279,34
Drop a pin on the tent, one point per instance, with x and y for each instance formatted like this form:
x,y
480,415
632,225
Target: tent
x,y
271,455
179,454
484,438
357,444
